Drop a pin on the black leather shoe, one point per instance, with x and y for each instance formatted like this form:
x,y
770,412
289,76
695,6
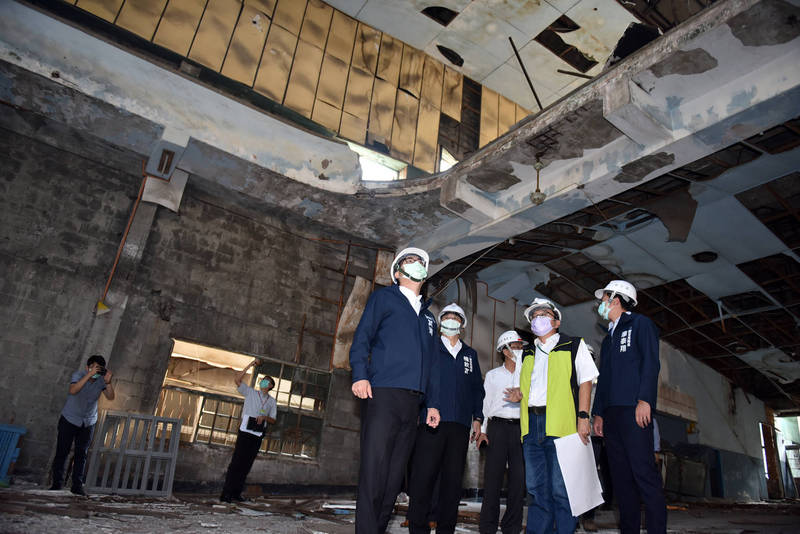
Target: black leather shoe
x,y
224,498
78,490
56,487
239,498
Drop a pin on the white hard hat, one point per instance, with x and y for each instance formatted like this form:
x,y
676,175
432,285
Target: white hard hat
x,y
542,304
509,336
618,287
407,252
454,308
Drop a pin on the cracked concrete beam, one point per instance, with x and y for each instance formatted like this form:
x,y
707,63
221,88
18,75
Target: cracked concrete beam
x,y
624,106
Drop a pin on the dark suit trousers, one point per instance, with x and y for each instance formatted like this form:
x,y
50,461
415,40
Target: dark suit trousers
x,y
388,425
67,434
440,451
633,471
504,448
244,453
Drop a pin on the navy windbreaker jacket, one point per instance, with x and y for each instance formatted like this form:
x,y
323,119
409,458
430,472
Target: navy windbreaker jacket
x,y
461,386
395,348
629,365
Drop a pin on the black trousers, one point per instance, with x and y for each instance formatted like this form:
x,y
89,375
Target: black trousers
x,y
67,433
244,453
601,461
388,424
504,448
633,471
440,451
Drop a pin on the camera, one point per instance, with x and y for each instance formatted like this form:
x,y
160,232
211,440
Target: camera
x,y
101,371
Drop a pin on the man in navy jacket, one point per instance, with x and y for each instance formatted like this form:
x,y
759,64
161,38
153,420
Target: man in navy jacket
x,y
624,405
442,451
395,367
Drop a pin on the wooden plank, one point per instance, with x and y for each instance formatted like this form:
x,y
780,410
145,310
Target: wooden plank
x,y
332,81
411,70
214,32
179,24
506,115
367,46
359,93
141,17
353,128
276,62
389,59
246,46
381,113
489,104
105,9
451,93
265,6
303,78
289,15
316,23
326,115
341,36
426,144
521,113
404,128
432,79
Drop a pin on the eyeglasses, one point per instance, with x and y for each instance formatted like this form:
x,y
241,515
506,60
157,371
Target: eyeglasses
x,y
548,315
409,259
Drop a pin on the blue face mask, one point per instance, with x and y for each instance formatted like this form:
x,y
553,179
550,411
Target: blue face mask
x,y
265,384
603,310
95,376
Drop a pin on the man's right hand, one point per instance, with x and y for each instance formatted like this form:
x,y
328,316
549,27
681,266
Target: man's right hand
x,y
512,395
483,438
598,426
362,389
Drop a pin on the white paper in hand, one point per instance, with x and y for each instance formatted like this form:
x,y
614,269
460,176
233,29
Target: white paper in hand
x,y
580,473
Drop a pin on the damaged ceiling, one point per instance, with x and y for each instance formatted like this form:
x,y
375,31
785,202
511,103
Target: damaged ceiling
x,y
677,168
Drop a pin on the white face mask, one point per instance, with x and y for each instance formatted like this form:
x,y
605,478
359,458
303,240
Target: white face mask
x,y
517,353
450,327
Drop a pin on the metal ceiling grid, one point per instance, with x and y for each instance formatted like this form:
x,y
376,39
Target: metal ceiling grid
x,y
778,275
777,205
778,139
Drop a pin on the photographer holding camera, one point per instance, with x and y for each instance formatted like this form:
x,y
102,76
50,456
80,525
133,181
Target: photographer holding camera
x,y
78,418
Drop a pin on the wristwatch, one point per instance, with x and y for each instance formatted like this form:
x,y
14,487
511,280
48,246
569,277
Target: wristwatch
x,y
583,415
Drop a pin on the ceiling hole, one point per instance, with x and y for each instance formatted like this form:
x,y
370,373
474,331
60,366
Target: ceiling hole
x,y
451,55
440,14
707,256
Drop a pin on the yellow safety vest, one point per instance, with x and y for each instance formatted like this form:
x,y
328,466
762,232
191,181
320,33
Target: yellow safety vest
x,y
561,418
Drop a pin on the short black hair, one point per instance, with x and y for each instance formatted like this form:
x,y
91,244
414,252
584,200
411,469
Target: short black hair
x,y
624,301
96,358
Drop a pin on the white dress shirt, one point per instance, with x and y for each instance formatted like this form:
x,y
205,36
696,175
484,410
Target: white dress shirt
x,y
413,299
585,369
256,403
494,405
452,349
613,324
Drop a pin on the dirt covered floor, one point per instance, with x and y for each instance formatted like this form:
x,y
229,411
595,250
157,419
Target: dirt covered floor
x,y
28,509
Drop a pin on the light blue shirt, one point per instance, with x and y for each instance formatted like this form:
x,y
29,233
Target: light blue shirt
x,y
81,408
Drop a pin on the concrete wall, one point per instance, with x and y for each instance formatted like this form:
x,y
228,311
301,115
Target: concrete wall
x,y
216,273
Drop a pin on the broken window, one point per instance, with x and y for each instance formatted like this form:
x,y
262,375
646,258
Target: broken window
x,y
199,389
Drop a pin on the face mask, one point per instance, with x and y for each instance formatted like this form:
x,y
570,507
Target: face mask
x,y
517,353
603,310
415,271
95,376
450,327
265,384
541,325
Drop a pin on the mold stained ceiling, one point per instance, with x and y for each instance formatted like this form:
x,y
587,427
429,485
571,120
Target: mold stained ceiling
x,y
480,30
677,168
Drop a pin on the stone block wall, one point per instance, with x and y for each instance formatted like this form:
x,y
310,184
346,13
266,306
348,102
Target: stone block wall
x,y
217,273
